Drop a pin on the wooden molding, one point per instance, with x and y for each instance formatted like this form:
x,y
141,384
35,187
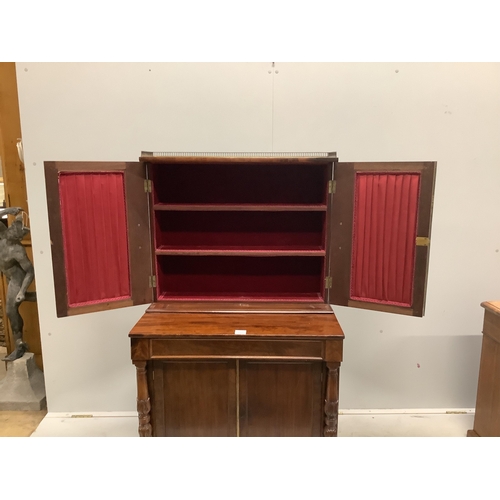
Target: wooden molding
x,y
15,195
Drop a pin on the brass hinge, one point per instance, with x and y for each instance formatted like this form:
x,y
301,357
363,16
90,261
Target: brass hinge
x,y
152,281
422,241
332,186
147,185
328,282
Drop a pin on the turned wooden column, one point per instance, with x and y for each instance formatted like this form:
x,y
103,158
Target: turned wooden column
x,y
331,408
143,402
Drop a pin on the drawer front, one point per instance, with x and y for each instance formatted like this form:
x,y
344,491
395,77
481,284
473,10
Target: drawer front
x,y
237,348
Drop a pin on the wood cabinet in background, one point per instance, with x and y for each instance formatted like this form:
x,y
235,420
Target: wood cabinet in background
x,y
487,415
14,179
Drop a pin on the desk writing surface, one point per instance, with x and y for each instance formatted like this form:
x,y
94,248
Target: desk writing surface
x,y
255,325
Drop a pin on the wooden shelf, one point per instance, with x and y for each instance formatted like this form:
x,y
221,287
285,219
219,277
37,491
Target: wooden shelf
x,y
243,252
240,307
240,232
215,207
252,297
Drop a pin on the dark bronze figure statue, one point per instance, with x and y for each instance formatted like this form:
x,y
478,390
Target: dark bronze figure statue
x,y
18,269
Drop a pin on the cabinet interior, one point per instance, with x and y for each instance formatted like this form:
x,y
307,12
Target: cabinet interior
x,y
243,230
189,227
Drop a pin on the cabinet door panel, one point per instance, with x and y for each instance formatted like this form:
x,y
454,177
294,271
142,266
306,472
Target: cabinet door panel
x,y
380,235
280,398
194,398
99,230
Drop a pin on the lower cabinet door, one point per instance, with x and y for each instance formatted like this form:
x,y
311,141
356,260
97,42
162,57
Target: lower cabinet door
x,y
280,398
236,398
194,398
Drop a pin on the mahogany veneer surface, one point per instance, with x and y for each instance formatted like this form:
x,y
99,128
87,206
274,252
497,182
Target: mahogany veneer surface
x,y
302,325
198,377
294,388
217,307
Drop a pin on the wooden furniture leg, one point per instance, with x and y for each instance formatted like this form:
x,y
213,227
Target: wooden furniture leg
x,y
331,400
143,402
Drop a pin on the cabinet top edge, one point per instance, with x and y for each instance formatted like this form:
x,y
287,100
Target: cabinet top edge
x,y
493,306
189,157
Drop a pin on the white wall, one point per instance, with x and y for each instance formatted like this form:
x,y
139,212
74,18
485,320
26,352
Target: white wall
x,y
449,113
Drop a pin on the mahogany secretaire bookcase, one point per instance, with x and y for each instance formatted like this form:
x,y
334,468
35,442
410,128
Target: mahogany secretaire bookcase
x,y
240,256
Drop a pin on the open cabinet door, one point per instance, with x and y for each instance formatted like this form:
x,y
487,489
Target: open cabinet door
x,y
100,238
379,248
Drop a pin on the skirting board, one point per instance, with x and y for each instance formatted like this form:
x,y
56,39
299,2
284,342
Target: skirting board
x,y
91,414
413,411
383,411
433,422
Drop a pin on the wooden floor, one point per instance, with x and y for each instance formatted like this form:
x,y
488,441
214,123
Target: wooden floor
x,y
17,423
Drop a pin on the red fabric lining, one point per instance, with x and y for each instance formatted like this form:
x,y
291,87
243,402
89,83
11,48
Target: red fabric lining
x,y
240,183
239,276
384,231
240,229
93,213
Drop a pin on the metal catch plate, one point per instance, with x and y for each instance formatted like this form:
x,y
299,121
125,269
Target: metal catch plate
x,y
422,241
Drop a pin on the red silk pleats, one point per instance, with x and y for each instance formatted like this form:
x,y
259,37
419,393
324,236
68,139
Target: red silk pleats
x,y
384,232
93,214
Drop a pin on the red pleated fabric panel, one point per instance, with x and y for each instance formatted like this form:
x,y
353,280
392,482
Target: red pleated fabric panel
x,y
93,214
384,232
